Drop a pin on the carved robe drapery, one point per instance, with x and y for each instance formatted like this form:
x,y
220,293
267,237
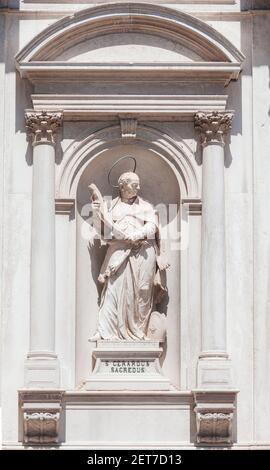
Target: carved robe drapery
x,y
128,272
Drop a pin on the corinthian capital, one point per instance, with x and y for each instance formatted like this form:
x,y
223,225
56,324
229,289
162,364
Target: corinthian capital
x,y
42,126
213,126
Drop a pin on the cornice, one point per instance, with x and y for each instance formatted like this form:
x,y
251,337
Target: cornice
x,y
146,107
42,72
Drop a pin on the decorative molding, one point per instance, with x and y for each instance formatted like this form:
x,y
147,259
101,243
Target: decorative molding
x,y
128,129
99,20
180,2
40,59
41,415
35,396
146,107
41,410
41,427
178,155
214,428
213,126
42,126
64,206
228,15
129,399
58,72
194,206
215,412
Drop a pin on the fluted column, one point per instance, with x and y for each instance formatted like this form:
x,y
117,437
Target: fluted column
x,y
42,369
213,365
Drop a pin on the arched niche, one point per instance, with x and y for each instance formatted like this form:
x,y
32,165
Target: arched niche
x,y
178,155
158,185
167,175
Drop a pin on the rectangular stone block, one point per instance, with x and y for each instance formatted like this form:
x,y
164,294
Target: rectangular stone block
x,y
127,365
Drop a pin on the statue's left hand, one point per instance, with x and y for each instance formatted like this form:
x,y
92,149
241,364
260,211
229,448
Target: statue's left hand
x,y
162,262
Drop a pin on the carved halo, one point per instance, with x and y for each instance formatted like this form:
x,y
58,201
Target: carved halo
x,y
116,163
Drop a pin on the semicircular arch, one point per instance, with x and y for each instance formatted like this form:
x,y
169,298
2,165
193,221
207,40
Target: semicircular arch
x,y
119,18
79,154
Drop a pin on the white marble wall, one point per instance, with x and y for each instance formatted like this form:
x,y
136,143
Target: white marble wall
x,y
16,223
2,81
261,233
247,176
239,239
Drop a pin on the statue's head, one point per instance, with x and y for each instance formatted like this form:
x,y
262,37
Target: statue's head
x,y
129,184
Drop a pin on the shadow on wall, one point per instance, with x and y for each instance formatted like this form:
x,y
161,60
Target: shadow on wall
x,y
12,4
9,38
254,5
262,42
23,88
261,47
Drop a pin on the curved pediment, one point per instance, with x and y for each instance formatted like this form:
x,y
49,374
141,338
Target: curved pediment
x,y
130,47
129,38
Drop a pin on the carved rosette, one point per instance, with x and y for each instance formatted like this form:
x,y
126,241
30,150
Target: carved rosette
x,y
214,428
42,126
41,427
213,126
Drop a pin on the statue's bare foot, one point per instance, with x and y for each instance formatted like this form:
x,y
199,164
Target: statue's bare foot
x,y
95,337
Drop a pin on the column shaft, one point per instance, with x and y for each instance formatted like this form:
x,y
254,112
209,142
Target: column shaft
x,y
42,317
213,250
213,365
41,368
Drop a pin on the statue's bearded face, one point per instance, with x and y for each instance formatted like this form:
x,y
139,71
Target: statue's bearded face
x,y
129,185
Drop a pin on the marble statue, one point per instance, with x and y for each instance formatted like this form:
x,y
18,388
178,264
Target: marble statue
x,y
133,270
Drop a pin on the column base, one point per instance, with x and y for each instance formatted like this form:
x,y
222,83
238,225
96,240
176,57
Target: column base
x,y
214,372
41,371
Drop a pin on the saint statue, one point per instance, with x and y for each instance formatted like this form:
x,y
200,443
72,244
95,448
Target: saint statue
x,y
133,270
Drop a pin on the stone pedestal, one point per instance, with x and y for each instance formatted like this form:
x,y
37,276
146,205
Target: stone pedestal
x,y
100,420
213,372
127,365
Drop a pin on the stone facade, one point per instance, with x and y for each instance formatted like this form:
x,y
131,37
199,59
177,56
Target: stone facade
x,y
182,86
